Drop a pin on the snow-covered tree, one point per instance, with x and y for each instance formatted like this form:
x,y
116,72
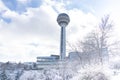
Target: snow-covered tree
x,y
95,45
3,75
18,74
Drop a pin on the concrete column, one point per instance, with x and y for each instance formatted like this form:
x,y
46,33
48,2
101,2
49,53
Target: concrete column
x,y
63,43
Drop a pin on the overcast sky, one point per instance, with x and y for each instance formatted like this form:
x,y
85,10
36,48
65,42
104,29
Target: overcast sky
x,y
28,28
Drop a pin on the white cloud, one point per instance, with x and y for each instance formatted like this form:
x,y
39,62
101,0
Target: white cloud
x,y
2,6
80,24
38,26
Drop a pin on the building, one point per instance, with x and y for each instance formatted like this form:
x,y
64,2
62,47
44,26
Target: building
x,y
47,62
63,20
53,60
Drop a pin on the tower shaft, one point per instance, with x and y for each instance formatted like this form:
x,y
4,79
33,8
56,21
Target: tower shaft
x,y
63,43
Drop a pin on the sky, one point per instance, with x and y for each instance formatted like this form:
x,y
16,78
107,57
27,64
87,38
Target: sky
x,y
28,28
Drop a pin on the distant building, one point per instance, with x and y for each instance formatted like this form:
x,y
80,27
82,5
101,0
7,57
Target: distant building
x,y
53,61
74,56
86,58
30,65
49,58
47,62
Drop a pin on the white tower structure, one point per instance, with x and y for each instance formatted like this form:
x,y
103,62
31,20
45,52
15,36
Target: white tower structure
x,y
63,20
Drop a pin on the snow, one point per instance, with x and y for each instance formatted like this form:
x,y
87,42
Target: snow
x,y
115,77
69,72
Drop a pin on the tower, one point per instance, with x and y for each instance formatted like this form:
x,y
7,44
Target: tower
x,y
63,20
